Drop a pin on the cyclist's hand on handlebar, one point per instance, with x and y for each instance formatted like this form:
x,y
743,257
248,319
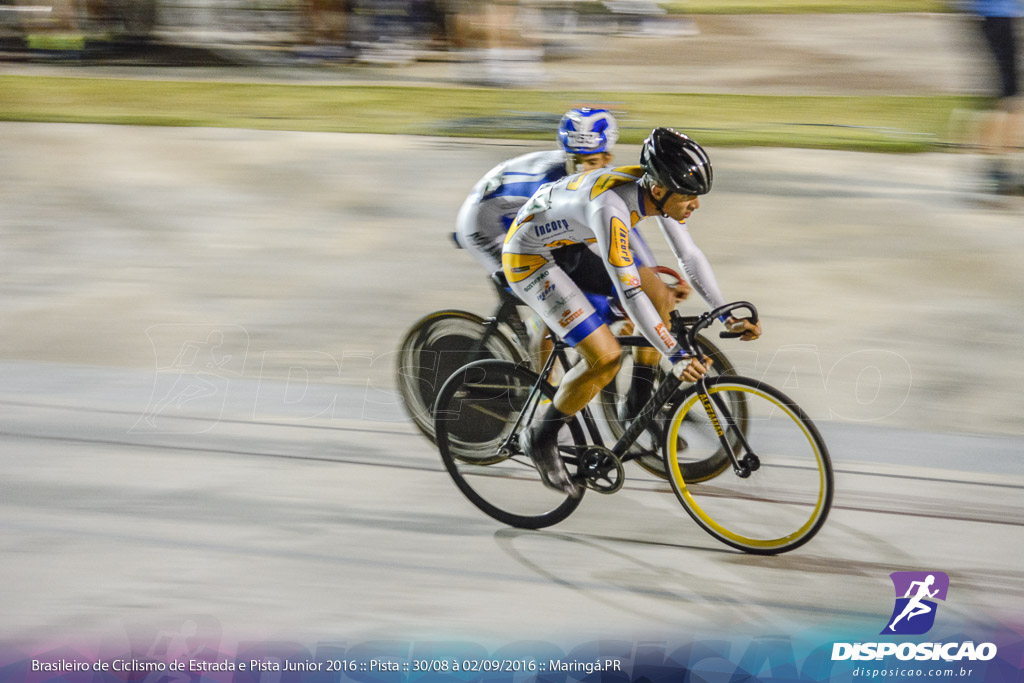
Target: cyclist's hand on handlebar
x,y
750,331
681,291
691,369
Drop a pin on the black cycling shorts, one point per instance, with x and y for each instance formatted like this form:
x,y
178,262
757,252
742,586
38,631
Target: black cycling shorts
x,y
585,268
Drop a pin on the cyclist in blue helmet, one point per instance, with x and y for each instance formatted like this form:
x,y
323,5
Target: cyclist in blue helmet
x,y
586,136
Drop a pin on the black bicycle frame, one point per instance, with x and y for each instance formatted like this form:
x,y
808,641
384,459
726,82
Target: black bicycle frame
x,y
684,329
505,313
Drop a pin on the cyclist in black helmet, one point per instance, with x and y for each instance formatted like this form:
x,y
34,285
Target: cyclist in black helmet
x,y
549,266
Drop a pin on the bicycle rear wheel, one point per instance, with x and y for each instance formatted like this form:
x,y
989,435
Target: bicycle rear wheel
x,y
696,466
434,349
480,405
785,499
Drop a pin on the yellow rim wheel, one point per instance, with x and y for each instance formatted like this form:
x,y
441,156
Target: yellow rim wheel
x,y
786,498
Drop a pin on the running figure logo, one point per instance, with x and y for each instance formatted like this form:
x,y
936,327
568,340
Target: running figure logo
x,y
195,367
914,612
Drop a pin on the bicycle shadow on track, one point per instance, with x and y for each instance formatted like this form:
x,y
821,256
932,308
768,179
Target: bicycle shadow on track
x,y
641,579
630,576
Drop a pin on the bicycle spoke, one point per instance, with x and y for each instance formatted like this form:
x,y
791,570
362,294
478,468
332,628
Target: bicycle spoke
x,y
492,413
478,386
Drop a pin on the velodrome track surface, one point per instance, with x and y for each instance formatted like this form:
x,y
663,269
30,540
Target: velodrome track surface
x,y
198,421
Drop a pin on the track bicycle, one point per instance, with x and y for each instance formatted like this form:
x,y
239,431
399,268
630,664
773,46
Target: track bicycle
x,y
771,485
442,342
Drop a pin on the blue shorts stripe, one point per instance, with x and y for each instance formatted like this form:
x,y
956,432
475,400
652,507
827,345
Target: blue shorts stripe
x,y
580,332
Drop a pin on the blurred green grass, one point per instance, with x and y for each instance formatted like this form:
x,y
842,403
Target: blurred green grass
x,y
55,41
889,124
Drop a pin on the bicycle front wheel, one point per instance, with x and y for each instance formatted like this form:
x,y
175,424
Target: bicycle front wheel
x,y
786,497
481,405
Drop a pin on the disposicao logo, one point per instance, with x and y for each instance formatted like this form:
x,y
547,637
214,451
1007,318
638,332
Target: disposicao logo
x,y
916,593
914,614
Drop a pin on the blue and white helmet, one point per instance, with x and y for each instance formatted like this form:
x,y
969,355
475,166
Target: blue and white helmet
x,y
587,131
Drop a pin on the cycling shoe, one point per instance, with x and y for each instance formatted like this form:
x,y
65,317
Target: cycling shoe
x,y
549,464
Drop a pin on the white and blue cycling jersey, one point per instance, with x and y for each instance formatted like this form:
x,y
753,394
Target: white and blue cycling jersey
x,y
491,207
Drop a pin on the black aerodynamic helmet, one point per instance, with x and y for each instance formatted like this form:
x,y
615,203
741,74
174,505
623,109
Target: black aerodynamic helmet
x,y
675,161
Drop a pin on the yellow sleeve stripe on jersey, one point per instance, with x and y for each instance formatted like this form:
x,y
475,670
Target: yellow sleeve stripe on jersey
x,y
574,183
618,176
518,267
515,226
618,252
560,243
635,171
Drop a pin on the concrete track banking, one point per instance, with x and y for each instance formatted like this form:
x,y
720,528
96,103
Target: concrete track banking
x,y
198,421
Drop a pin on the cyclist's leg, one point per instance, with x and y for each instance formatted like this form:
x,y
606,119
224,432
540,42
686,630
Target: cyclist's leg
x,y
480,230
601,358
587,269
601,355
539,343
560,302
587,274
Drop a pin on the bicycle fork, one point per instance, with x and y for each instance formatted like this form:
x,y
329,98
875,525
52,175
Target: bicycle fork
x,y
713,406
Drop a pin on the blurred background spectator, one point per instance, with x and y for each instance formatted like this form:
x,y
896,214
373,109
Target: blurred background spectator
x,y
490,42
492,34
327,23
999,134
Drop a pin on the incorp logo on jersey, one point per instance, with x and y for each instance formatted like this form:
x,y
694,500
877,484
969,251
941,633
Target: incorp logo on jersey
x,y
914,614
548,290
550,227
916,592
618,253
